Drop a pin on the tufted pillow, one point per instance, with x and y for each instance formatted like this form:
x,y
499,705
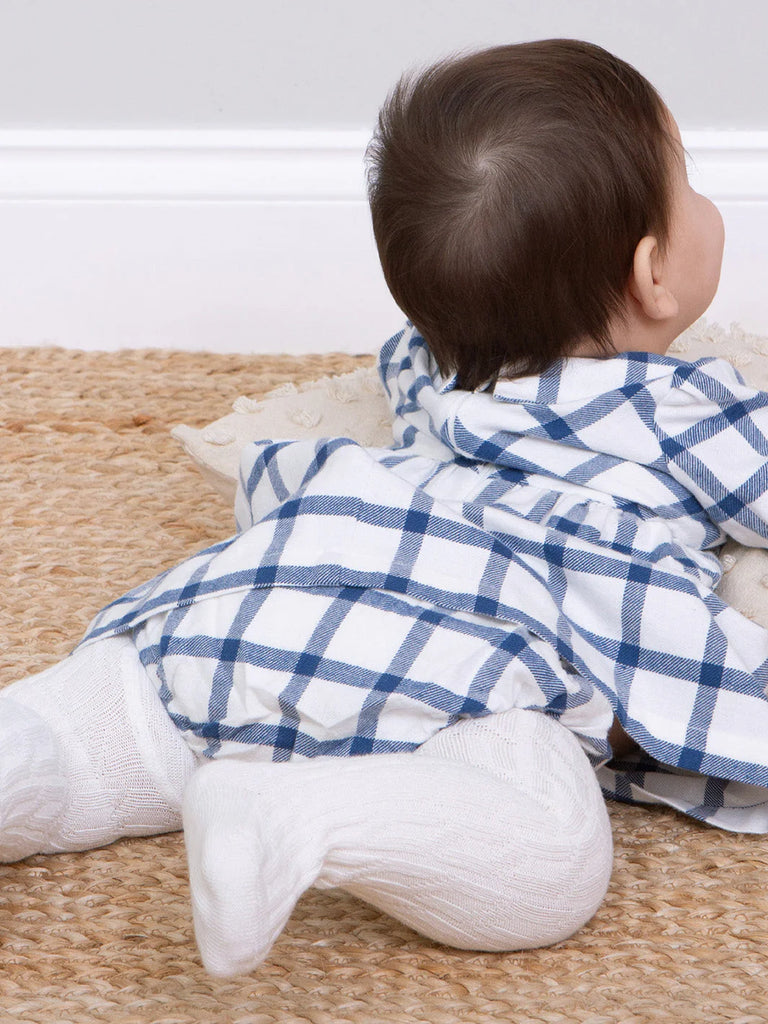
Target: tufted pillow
x,y
353,405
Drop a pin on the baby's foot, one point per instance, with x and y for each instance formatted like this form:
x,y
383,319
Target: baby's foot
x,y
33,789
248,861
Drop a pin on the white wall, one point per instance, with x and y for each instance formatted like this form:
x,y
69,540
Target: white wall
x,y
310,63
187,173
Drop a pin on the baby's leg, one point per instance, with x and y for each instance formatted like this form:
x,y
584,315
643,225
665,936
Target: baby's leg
x,y
87,755
492,836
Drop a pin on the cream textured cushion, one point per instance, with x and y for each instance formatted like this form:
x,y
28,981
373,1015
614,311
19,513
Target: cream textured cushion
x,y
353,405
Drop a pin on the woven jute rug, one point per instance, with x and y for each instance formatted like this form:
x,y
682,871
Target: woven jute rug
x,y
95,497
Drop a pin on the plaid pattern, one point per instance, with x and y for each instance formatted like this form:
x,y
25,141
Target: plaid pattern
x,y
556,532
296,673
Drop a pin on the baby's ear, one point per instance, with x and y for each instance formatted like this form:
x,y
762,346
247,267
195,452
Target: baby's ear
x,y
646,282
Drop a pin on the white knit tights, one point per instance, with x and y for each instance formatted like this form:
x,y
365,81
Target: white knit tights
x,y
87,755
492,836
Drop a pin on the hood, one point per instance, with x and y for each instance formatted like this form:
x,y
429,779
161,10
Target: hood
x,y
547,423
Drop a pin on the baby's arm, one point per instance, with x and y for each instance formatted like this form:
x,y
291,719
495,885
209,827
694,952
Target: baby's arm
x,y
621,743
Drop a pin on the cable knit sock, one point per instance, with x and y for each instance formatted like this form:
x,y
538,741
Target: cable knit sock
x,y
493,836
32,789
87,755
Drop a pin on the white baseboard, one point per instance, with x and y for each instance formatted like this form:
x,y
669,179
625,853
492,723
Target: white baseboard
x,y
253,241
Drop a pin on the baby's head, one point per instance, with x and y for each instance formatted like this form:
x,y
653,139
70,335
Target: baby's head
x,y
509,190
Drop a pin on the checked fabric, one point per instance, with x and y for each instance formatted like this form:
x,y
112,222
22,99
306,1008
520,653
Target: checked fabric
x,y
547,543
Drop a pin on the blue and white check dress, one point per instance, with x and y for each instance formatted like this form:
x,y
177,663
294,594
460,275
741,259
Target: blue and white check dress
x,y
549,543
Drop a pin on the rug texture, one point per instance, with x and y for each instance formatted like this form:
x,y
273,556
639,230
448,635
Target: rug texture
x,y
96,496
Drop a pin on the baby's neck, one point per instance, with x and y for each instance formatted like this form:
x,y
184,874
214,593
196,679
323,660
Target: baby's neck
x,y
630,337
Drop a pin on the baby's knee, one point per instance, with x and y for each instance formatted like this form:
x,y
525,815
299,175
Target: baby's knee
x,y
554,888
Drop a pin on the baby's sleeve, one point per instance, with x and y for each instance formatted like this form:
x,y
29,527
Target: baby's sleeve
x,y
713,432
272,473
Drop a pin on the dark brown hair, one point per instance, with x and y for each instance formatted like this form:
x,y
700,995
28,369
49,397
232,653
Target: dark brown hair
x,y
509,189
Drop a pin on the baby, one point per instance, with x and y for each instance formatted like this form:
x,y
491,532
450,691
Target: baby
x,y
400,676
